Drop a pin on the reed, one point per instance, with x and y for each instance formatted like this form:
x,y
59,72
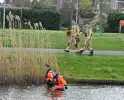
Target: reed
x,y
22,67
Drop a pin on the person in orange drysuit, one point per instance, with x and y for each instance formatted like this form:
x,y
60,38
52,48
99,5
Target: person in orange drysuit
x,y
49,76
59,82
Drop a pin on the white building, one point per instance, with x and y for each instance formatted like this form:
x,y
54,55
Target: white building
x,y
117,4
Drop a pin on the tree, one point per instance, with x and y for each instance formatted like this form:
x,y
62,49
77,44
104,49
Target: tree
x,y
67,12
41,3
86,9
27,3
86,5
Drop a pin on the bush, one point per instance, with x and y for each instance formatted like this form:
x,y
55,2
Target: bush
x,y
87,14
66,24
113,22
50,18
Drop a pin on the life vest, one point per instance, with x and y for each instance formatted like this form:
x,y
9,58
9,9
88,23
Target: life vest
x,y
49,76
56,79
59,82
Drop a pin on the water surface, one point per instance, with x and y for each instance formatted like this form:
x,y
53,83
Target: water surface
x,y
73,93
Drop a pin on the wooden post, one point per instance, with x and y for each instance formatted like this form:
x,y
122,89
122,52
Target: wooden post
x,y
120,29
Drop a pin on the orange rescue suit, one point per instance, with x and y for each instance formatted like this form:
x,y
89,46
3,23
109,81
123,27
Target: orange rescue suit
x,y
49,76
59,82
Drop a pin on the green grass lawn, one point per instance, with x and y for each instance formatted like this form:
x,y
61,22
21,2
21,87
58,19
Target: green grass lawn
x,y
96,67
71,66
56,39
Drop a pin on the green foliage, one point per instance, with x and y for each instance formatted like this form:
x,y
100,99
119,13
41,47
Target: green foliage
x,y
113,22
50,18
87,14
47,3
86,4
66,24
86,9
27,3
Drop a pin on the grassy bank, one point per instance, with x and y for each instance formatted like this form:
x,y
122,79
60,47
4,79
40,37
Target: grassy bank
x,y
27,68
56,39
97,67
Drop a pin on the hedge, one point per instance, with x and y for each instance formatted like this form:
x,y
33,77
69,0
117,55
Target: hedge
x,y
87,15
50,18
113,22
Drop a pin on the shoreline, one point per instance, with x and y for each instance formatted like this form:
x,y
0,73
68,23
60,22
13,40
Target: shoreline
x,y
40,81
96,82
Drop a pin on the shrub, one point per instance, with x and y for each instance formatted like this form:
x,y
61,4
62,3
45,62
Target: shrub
x,y
50,18
113,22
86,13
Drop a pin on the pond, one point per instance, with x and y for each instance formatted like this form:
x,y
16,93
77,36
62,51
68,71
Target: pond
x,y
83,92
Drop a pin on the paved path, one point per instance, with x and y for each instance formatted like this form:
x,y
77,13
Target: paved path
x,y
97,52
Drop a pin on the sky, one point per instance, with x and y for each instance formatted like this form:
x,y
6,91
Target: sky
x,y
1,1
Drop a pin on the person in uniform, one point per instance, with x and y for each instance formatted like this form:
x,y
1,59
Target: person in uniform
x,y
87,32
69,39
75,33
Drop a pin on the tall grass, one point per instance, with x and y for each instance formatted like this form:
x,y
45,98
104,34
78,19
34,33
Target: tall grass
x,y
29,38
44,39
22,67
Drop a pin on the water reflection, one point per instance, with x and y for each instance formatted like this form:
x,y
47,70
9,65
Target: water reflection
x,y
73,93
52,94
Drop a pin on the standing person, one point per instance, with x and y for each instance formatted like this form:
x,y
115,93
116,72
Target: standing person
x,y
49,76
59,82
97,28
69,39
77,37
75,33
87,43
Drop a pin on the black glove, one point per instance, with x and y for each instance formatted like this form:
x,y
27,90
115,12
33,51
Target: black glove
x,y
66,87
77,40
